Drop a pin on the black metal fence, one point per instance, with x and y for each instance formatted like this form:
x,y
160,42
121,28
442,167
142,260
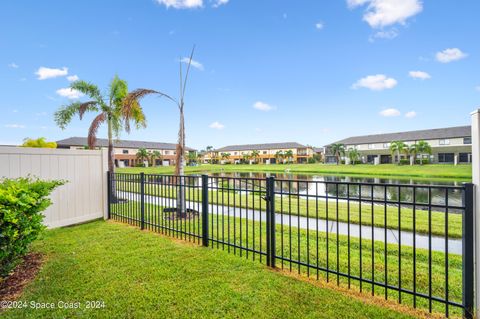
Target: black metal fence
x,y
408,243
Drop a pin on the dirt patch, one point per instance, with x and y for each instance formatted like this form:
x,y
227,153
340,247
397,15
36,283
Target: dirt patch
x,y
12,286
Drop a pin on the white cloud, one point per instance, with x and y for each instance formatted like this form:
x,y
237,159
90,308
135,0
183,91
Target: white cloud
x,y
218,3
390,112
194,63
376,82
477,88
15,126
13,65
69,93
384,34
410,114
181,4
44,73
319,25
449,55
217,125
263,106
419,75
72,78
381,13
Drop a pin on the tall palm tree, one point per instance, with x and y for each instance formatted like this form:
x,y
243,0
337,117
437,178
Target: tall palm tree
x,y
192,157
112,109
255,155
397,147
353,155
142,155
338,150
154,155
180,148
289,155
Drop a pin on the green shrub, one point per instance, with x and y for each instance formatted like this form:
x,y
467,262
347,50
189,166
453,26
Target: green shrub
x,y
22,202
404,161
424,161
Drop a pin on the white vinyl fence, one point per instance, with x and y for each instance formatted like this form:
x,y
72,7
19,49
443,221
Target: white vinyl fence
x,y
82,198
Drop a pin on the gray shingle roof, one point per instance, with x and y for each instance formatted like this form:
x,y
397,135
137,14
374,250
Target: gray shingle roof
x,y
267,146
439,133
103,142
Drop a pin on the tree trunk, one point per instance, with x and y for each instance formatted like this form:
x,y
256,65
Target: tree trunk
x,y
111,162
179,169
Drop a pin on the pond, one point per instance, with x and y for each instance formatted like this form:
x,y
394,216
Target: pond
x,y
318,185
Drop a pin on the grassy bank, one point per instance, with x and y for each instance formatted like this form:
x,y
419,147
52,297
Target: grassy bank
x,y
437,171
366,214
367,259
143,275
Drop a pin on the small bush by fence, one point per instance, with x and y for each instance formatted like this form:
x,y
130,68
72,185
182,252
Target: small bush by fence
x,y
408,243
22,202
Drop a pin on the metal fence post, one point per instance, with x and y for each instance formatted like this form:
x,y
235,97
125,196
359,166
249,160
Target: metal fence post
x,y
142,200
468,241
109,193
205,210
270,198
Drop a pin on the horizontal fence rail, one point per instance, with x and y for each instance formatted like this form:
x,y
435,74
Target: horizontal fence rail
x,y
409,243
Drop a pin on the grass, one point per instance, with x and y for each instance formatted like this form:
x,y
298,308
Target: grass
x,y
403,218
366,259
445,172
143,275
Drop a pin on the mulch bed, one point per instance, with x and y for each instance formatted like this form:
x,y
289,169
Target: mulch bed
x,y
12,286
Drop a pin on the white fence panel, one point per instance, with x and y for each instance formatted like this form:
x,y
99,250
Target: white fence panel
x,y
82,198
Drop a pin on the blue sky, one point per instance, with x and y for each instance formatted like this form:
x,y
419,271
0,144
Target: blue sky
x,y
268,71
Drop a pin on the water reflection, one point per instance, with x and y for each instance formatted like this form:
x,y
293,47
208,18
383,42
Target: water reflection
x,y
326,186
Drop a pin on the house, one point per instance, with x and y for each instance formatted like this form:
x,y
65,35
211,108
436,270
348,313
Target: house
x,y
267,153
126,151
449,145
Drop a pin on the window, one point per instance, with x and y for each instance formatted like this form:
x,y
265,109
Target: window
x,y
124,151
235,153
264,152
167,152
444,142
446,157
467,140
371,146
464,157
386,145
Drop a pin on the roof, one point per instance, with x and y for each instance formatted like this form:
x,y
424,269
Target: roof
x,y
448,132
103,142
267,146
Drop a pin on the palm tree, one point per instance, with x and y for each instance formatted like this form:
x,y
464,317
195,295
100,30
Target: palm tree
x,y
255,155
423,148
279,156
289,155
353,155
142,155
40,142
180,149
247,157
225,156
209,150
338,150
115,109
192,157
154,155
396,147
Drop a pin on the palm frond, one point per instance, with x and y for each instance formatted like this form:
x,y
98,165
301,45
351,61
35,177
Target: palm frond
x,y
87,106
92,131
64,115
88,89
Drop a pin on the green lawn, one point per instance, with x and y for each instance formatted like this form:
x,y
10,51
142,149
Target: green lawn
x,y
367,260
437,171
143,275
